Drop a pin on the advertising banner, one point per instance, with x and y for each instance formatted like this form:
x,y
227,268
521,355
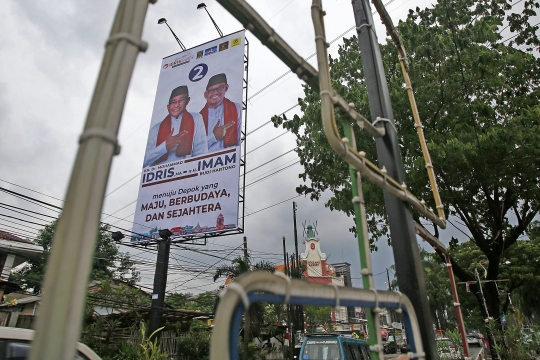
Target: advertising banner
x,y
191,169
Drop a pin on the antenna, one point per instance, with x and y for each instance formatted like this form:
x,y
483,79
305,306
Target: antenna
x,y
304,231
315,228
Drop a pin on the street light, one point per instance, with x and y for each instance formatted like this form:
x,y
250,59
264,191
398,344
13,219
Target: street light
x,y
203,6
164,21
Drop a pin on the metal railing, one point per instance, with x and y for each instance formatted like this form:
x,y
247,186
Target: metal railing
x,y
260,286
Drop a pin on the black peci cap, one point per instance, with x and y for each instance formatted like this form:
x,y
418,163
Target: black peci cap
x,y
217,79
181,90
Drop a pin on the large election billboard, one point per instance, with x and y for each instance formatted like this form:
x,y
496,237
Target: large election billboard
x,y
191,168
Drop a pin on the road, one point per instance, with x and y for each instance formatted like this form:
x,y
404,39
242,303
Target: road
x,y
473,354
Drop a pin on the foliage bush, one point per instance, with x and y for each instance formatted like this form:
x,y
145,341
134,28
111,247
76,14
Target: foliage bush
x,y
515,342
194,346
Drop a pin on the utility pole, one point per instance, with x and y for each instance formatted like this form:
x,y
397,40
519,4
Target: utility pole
x,y
247,318
295,230
299,310
160,283
284,257
407,258
390,311
294,311
246,256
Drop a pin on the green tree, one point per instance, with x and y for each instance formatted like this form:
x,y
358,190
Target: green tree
x,y
438,289
317,316
108,263
441,302
478,97
194,346
178,300
205,301
526,298
519,274
98,331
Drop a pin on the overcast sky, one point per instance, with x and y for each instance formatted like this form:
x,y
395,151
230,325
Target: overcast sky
x,y
51,53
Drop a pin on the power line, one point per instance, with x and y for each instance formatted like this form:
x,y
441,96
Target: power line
x,y
269,121
122,208
271,206
266,143
211,265
309,57
22,213
510,38
29,198
25,230
272,174
26,221
269,161
29,227
52,197
33,212
42,203
139,173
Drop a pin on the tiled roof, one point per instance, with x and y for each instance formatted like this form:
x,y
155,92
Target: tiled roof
x,y
8,236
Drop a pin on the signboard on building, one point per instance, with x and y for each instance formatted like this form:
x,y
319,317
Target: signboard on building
x,y
191,169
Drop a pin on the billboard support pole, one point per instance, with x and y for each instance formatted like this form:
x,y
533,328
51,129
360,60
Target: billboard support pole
x,y
244,133
160,284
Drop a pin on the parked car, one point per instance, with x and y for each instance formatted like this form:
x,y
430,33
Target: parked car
x,y
15,344
334,347
474,341
447,349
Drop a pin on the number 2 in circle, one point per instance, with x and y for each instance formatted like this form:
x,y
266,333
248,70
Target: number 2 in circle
x,y
198,72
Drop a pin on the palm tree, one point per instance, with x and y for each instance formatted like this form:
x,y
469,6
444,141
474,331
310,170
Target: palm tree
x,y
238,266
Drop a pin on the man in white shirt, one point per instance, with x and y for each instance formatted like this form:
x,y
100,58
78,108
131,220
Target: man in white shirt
x,y
222,117
179,136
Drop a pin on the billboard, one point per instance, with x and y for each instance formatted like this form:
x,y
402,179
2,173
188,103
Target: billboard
x,y
191,168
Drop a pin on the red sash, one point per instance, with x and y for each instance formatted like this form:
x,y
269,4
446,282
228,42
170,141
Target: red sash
x,y
184,148
231,114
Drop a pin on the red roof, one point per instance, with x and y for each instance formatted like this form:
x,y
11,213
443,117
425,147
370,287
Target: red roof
x,y
7,236
280,268
319,280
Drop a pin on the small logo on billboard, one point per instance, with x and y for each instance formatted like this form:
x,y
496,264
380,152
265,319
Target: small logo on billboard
x,y
179,61
198,72
224,46
235,42
210,51
200,54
